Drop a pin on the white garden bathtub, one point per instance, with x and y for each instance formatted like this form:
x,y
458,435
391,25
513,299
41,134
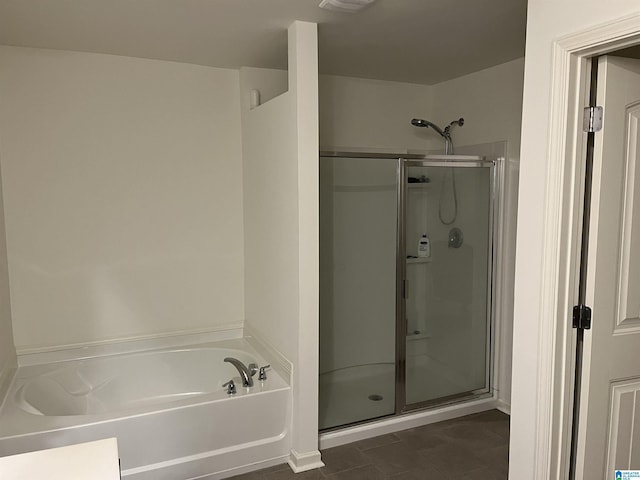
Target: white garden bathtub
x,y
168,409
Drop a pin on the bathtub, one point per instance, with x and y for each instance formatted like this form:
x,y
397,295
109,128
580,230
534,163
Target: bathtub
x,y
167,408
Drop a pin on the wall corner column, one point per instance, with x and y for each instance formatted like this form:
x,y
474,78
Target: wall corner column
x,y
303,82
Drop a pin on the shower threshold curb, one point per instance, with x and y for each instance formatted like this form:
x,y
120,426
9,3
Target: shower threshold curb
x,y
404,422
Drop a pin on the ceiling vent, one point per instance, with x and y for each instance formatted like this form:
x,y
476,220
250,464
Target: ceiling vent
x,y
345,6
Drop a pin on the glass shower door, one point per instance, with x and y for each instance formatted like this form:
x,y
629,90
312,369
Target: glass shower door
x,y
358,238
446,300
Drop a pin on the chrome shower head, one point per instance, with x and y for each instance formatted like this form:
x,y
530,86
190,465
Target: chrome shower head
x,y
446,133
419,122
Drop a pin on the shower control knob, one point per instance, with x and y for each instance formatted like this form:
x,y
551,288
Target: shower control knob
x,y
262,375
231,387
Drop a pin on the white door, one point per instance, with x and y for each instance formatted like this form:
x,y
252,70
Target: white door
x,y
609,425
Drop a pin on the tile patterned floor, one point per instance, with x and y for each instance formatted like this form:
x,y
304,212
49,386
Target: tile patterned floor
x,y
475,447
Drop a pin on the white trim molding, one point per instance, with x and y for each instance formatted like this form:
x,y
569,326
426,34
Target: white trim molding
x,y
562,230
503,407
302,462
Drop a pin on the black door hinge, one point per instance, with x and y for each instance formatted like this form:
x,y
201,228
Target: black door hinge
x,y
582,317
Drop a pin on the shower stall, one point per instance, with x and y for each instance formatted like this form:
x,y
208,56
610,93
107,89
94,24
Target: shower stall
x,y
404,325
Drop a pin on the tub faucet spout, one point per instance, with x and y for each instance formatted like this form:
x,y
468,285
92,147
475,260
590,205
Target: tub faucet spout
x,y
243,370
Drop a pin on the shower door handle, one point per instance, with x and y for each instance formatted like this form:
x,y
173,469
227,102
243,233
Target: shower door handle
x,y
405,289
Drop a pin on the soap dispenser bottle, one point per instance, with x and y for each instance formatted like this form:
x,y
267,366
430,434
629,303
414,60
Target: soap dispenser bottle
x,y
424,246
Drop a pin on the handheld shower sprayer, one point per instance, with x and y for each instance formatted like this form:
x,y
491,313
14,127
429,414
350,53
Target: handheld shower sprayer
x,y
419,122
446,133
448,150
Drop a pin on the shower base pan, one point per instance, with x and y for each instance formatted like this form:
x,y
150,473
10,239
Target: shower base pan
x,y
366,393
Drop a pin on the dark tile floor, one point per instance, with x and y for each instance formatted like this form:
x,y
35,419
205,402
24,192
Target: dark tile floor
x,y
475,447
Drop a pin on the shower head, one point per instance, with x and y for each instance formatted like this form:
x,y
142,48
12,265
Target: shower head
x,y
419,122
446,133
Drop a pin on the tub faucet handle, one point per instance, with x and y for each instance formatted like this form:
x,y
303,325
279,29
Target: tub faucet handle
x,y
231,387
253,368
262,375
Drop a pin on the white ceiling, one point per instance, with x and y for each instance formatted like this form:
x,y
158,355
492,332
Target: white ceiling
x,y
418,41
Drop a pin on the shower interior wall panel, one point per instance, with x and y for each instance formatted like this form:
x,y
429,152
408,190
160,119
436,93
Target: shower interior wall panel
x,y
123,197
447,300
358,218
357,196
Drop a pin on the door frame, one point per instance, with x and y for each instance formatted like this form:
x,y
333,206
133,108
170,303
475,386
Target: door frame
x,y
496,167
562,235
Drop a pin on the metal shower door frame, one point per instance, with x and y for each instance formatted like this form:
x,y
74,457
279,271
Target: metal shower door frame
x,y
451,161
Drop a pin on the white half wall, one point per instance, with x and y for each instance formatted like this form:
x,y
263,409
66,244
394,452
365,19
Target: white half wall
x,y
280,171
271,223
490,101
546,22
122,182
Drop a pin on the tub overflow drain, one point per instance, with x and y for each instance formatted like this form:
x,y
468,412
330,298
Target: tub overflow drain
x,y
375,397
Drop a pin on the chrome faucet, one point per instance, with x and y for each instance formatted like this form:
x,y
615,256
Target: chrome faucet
x,y
243,370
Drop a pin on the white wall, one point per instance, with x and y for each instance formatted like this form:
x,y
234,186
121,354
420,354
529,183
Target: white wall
x,y
123,196
372,115
7,347
280,171
490,101
546,22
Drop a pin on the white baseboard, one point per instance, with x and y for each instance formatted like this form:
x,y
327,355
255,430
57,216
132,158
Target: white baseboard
x,y
302,462
232,472
504,407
